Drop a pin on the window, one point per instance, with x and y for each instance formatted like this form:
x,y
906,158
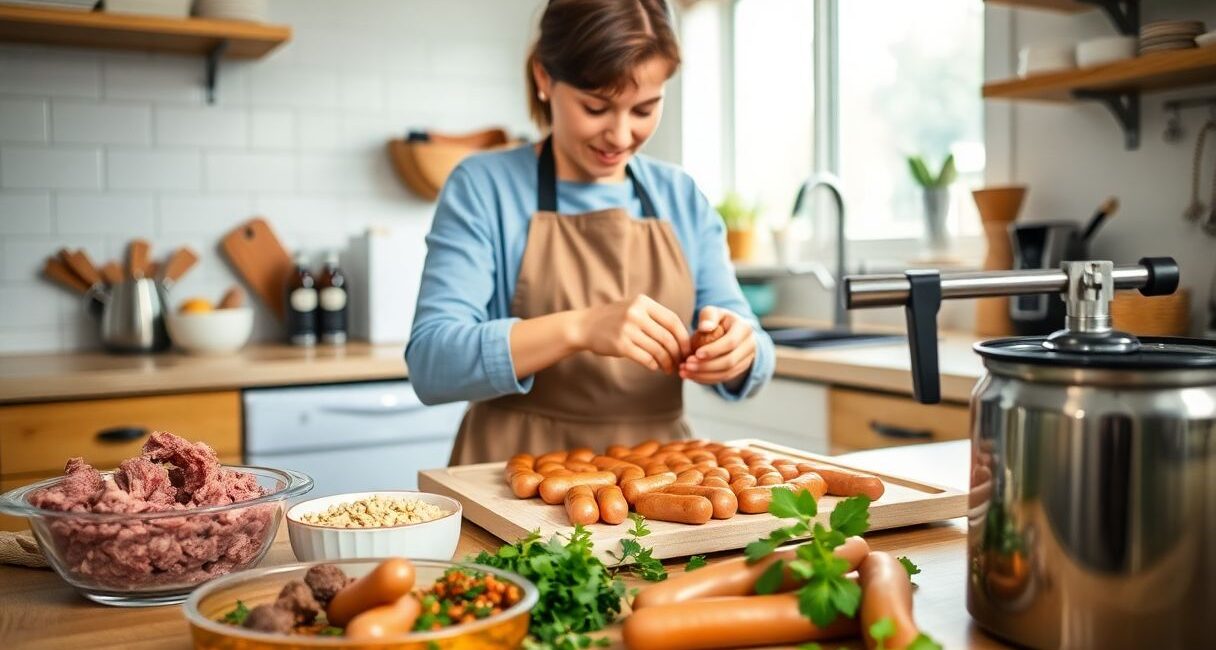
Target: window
x,y
906,78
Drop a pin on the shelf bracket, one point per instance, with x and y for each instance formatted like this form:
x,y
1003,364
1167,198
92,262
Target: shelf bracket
x,y
1125,14
213,67
1125,106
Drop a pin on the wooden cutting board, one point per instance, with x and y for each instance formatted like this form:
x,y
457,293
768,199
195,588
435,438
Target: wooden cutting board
x,y
488,502
255,252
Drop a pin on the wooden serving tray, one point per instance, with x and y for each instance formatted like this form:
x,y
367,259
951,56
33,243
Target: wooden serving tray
x,y
488,502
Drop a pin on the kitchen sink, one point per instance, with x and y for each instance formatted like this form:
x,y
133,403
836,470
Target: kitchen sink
x,y
803,337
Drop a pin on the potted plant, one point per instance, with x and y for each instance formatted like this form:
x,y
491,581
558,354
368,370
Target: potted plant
x,y
936,195
740,219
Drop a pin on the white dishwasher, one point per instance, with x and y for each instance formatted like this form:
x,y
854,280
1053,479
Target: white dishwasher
x,y
349,437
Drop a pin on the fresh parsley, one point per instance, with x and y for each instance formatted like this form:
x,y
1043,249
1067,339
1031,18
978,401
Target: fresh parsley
x,y
909,566
578,594
884,629
238,614
695,562
644,566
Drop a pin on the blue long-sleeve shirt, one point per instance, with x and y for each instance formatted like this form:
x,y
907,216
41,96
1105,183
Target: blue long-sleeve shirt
x,y
459,346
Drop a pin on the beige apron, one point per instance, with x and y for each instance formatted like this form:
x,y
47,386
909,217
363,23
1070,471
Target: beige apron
x,y
586,400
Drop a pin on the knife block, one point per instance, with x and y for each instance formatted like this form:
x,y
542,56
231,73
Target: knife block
x,y
998,207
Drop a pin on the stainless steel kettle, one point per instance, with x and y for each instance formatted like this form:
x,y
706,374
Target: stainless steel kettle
x,y
133,318
1092,520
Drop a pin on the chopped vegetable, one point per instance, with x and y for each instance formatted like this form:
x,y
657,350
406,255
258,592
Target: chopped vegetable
x,y
909,565
237,616
695,562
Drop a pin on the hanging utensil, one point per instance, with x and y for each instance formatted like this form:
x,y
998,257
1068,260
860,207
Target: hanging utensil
x,y
180,261
1108,208
111,272
1195,210
137,259
58,272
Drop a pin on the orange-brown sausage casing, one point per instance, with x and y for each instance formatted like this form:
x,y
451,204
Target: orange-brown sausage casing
x,y
680,508
385,584
731,622
385,621
886,592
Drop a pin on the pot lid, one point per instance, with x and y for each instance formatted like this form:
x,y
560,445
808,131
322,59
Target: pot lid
x,y
1154,353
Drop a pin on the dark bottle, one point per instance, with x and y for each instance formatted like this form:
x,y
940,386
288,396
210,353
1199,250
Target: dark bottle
x,y
301,305
332,293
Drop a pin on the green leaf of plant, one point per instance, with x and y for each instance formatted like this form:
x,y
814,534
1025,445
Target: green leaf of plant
x,y
695,562
846,595
639,525
784,505
851,516
923,642
909,565
770,580
882,630
807,507
815,602
948,173
920,172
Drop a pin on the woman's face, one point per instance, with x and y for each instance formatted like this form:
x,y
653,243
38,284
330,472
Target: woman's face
x,y
595,133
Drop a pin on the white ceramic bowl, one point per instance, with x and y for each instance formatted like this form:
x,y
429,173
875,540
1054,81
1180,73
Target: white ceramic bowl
x,y
1105,50
1206,40
221,331
1038,59
429,540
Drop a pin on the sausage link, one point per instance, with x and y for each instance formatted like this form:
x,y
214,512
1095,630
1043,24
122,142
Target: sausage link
x,y
647,448
524,484
385,621
735,577
713,481
682,509
787,471
581,505
760,469
742,483
731,622
847,482
580,466
627,472
549,467
552,457
553,489
886,592
811,482
715,471
385,584
771,478
701,456
637,487
613,507
656,468
617,451
581,454
689,477
724,502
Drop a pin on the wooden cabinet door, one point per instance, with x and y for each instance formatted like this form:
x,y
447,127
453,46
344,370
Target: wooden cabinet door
x,y
862,419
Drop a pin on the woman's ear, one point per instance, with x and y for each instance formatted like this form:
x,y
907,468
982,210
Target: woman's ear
x,y
544,83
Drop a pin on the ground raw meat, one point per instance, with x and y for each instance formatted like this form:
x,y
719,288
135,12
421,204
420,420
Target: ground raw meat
x,y
139,554
270,618
325,580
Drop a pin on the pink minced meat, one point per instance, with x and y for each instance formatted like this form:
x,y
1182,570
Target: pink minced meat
x,y
172,475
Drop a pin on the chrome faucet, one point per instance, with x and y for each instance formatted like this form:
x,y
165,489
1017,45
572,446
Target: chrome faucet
x,y
840,316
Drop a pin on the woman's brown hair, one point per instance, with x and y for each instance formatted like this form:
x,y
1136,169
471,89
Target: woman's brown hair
x,y
596,44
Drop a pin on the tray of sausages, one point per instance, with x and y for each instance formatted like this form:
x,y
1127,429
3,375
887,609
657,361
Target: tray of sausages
x,y
698,495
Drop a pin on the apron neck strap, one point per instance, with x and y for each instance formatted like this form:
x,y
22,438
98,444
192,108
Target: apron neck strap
x,y
546,186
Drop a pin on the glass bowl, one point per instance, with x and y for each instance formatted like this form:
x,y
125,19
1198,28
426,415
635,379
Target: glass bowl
x,y
503,631
157,558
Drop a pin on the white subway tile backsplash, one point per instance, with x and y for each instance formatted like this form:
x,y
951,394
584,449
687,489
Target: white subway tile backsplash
x,y
270,172
205,127
93,123
272,129
46,168
22,120
100,214
99,146
49,73
27,308
154,169
25,213
212,214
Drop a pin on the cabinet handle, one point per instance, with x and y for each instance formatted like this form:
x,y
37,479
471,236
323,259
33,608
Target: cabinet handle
x,y
121,434
892,431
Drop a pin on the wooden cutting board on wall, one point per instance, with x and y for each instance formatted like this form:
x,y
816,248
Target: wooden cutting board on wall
x,y
488,502
260,259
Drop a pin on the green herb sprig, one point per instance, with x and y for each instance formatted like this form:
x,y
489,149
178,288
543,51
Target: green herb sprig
x,y
644,566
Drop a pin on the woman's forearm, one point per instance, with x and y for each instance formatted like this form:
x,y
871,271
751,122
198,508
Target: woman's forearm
x,y
537,343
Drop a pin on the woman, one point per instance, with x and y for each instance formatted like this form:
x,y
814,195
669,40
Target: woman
x,y
561,279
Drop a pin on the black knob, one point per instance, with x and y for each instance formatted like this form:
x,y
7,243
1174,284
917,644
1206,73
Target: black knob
x,y
1163,275
121,434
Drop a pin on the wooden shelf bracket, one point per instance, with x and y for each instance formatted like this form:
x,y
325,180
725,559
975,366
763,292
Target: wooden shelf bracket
x,y
1125,106
213,67
1125,14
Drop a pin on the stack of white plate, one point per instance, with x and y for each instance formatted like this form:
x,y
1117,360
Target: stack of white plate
x,y
1168,35
257,11
74,5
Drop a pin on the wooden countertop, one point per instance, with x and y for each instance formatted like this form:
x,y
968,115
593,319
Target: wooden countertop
x,y
38,610
85,375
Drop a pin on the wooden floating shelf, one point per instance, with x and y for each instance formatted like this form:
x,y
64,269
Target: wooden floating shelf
x,y
1152,72
1065,6
201,36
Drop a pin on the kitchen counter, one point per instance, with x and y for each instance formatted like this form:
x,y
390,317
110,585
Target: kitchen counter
x,y
38,610
85,375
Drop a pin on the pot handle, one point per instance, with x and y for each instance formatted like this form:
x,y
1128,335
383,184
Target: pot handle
x,y
924,301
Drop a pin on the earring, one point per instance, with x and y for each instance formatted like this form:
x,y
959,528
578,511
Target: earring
x,y
542,96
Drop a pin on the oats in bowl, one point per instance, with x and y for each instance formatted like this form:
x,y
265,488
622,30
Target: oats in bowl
x,y
375,511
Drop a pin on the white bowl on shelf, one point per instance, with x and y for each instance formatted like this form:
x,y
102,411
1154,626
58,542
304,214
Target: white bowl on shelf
x,y
1040,59
257,11
428,540
221,331
1206,40
1107,49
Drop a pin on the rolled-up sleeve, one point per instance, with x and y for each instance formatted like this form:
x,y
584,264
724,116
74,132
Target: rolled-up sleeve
x,y
456,352
717,286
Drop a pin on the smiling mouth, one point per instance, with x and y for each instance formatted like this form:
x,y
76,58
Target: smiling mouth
x,y
607,157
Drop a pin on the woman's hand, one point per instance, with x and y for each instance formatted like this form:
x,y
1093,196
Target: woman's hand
x,y
639,329
726,360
